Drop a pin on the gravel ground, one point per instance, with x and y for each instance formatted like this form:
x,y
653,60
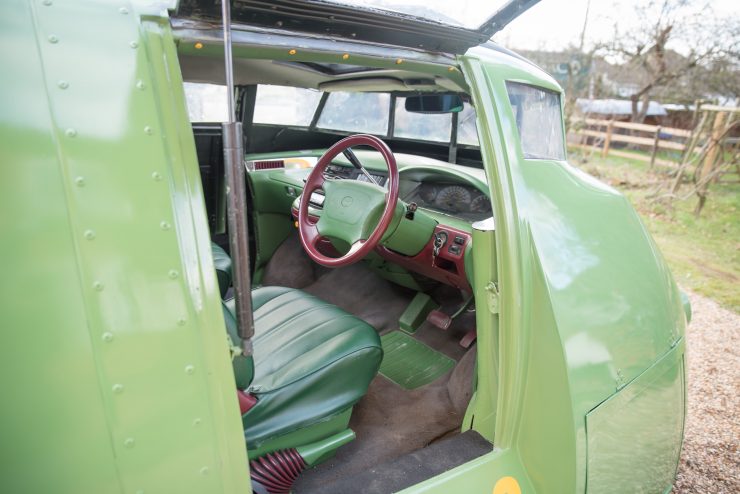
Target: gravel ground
x,y
710,461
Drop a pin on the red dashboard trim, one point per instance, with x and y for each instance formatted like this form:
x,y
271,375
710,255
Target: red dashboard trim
x,y
447,267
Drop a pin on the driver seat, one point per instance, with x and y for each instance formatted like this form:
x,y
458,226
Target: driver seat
x,y
312,362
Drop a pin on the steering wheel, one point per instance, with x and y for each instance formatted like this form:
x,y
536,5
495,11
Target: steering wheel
x,y
350,206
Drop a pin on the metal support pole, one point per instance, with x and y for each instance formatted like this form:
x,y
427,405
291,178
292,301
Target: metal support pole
x,y
236,199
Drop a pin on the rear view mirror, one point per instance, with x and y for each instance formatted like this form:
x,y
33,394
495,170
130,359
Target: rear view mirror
x,y
434,103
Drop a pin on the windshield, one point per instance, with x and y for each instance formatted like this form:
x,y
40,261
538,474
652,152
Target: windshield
x,y
469,14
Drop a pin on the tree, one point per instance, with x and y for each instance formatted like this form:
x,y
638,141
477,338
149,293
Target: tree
x,y
672,41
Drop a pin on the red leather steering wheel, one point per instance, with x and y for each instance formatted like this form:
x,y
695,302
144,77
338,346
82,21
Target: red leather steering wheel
x,y
350,206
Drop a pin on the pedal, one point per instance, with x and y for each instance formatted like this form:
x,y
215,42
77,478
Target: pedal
x,y
439,319
469,338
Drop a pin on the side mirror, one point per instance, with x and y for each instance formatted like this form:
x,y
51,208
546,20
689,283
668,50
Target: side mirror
x,y
434,103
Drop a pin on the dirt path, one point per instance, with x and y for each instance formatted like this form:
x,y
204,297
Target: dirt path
x,y
710,461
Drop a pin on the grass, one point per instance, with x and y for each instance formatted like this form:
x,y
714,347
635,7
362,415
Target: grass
x,y
703,253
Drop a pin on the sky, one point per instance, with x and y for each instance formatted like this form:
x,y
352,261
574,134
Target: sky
x,y
553,24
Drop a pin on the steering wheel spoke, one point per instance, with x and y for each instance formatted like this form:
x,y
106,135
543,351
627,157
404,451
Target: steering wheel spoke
x,y
356,246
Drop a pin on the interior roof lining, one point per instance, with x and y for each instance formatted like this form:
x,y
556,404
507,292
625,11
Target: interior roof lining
x,y
255,71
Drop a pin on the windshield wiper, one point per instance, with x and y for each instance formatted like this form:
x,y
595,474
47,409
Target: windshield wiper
x,y
352,157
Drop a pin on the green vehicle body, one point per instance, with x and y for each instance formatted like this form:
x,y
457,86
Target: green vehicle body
x,y
114,370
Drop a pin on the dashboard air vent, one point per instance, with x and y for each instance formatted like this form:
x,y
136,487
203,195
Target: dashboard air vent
x,y
268,164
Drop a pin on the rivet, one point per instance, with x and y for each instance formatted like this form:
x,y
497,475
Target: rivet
x,y
118,388
123,10
46,2
140,84
345,56
173,274
197,422
148,130
98,286
70,132
354,35
399,61
129,442
205,471
156,176
181,321
89,234
53,39
189,369
107,337
80,181
292,52
165,226
63,84
134,44
198,45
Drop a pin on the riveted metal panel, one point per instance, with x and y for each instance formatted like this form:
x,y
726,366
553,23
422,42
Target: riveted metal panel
x,y
128,209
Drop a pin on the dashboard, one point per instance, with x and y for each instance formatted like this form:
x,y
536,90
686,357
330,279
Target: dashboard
x,y
436,242
345,172
441,194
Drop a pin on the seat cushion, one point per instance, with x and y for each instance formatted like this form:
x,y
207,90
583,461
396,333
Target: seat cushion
x,y
312,360
222,263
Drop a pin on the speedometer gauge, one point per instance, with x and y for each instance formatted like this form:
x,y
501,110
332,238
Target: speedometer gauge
x,y
480,204
453,198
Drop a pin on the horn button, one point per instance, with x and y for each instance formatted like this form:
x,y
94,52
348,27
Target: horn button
x,y
347,208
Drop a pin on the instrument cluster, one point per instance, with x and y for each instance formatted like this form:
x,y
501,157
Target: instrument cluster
x,y
455,199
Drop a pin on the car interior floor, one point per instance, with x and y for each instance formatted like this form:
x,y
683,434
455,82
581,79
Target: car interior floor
x,y
390,421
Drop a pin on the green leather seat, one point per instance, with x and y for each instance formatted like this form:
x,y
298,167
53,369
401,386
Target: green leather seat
x,y
312,361
222,263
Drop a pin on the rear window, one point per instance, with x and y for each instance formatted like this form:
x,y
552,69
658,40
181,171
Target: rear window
x,y
285,105
422,126
539,120
467,130
356,112
206,102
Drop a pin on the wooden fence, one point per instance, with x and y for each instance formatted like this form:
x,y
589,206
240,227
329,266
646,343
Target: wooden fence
x,y
594,134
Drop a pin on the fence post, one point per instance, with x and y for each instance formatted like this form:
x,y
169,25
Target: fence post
x,y
709,159
655,146
607,139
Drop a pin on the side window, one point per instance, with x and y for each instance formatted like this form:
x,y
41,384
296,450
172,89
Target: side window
x,y
206,102
467,130
539,120
356,112
422,126
285,105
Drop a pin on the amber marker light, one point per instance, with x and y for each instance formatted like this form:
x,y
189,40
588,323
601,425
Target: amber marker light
x,y
198,45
